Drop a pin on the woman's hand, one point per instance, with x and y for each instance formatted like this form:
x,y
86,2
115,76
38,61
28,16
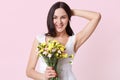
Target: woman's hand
x,y
50,73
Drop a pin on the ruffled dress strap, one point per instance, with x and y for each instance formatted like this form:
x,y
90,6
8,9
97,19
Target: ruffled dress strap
x,y
40,38
70,44
41,64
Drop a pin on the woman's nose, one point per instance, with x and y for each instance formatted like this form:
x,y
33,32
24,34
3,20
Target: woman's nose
x,y
59,21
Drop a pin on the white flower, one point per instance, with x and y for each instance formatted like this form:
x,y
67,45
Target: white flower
x,y
45,49
59,51
71,61
53,50
49,55
45,52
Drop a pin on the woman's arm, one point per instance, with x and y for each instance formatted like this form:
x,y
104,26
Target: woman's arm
x,y
84,34
30,71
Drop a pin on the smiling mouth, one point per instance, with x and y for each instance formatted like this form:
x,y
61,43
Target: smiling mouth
x,y
59,26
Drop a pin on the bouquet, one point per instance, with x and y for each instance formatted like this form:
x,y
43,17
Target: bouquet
x,y
52,51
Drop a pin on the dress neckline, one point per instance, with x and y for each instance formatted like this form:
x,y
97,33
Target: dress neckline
x,y
62,44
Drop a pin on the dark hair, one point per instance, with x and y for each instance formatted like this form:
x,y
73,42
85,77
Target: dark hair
x,y
50,25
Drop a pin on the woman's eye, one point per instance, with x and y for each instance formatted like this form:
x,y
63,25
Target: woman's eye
x,y
54,17
63,17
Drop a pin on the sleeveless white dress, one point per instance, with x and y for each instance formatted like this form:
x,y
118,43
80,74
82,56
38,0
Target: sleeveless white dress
x,y
64,67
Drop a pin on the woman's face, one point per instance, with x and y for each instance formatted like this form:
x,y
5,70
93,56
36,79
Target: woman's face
x,y
60,19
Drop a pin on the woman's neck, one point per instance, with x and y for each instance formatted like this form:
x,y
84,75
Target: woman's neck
x,y
62,35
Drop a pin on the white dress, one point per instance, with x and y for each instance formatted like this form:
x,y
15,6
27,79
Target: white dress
x,y
64,67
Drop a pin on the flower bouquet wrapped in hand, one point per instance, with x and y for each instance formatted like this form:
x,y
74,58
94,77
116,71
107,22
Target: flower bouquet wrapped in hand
x,y
52,51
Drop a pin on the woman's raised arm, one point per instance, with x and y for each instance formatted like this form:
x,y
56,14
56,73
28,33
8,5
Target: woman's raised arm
x,y
83,35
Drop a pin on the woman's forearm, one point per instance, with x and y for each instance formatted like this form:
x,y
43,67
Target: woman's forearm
x,y
85,14
35,75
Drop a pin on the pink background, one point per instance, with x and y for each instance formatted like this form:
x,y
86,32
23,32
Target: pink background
x,y
22,20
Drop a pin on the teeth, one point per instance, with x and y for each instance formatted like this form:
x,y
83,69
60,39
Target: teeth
x,y
59,26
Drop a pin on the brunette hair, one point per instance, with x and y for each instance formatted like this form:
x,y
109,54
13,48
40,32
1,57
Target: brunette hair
x,y
50,25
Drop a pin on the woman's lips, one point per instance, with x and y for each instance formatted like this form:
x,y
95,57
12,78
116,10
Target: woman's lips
x,y
59,26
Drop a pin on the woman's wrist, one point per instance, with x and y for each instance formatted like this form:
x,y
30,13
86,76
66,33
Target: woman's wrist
x,y
44,77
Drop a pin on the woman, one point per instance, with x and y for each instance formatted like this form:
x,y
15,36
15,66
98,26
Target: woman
x,y
58,23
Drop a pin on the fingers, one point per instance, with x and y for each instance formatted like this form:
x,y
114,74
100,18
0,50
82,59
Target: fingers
x,y
49,68
50,72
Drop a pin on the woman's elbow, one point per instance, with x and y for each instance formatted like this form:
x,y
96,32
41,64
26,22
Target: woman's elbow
x,y
98,16
28,73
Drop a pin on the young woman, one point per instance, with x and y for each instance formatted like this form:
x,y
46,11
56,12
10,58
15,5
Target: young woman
x,y
58,23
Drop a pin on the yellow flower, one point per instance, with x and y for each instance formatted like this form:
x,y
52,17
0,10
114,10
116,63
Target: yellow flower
x,y
39,55
64,55
43,44
57,55
50,47
62,49
41,50
54,41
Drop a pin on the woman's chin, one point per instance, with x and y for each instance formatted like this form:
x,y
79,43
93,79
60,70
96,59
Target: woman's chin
x,y
59,31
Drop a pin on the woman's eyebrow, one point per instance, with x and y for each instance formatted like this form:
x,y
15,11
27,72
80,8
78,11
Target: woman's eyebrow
x,y
61,15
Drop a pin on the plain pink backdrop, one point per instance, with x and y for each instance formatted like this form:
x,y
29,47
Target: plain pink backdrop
x,y
21,20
